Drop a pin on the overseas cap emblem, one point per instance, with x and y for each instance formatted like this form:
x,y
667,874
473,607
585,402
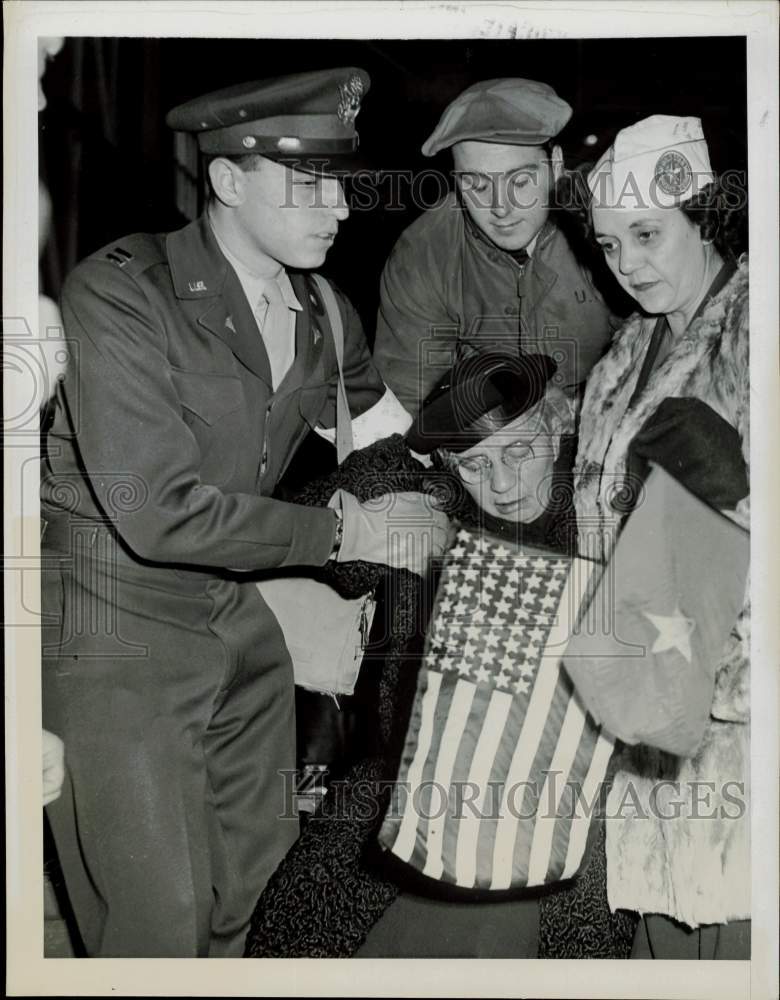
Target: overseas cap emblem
x,y
350,94
673,173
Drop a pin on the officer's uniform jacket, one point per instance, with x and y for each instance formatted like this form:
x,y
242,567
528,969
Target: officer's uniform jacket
x,y
177,428
447,290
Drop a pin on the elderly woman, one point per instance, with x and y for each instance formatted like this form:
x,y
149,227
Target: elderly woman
x,y
507,432
674,387
499,431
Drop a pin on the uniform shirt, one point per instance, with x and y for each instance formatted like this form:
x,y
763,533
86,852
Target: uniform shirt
x,y
280,341
447,291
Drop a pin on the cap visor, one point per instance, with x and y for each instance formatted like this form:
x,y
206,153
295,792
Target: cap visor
x,y
327,165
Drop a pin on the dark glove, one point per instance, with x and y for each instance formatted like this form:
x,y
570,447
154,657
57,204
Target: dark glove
x,y
696,446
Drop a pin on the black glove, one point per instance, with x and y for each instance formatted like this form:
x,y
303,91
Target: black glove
x,y
696,446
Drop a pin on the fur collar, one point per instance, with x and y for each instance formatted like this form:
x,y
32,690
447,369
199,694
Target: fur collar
x,y
709,362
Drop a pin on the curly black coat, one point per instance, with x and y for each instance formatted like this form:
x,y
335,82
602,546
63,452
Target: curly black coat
x,y
332,887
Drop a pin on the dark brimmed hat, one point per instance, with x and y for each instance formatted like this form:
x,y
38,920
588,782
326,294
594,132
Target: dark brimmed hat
x,y
477,397
511,111
306,120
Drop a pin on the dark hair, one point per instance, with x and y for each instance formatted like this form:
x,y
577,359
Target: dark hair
x,y
719,209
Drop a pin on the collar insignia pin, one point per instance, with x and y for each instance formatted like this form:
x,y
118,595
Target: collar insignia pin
x,y
197,286
229,324
317,335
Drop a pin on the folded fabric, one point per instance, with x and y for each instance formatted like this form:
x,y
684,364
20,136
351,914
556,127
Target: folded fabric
x,y
671,595
502,768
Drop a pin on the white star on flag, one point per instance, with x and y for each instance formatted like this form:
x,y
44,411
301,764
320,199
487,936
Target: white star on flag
x,y
526,668
482,674
674,632
502,607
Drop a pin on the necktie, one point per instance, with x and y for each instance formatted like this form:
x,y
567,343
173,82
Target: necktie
x,y
277,330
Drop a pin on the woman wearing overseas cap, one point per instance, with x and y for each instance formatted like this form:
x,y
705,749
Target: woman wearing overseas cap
x,y
673,388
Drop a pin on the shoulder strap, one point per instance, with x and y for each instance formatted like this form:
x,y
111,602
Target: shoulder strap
x,y
344,445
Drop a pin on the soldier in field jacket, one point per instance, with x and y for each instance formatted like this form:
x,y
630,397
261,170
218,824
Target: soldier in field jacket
x,y
487,268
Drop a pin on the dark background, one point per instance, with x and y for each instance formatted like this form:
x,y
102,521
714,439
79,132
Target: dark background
x,y
107,156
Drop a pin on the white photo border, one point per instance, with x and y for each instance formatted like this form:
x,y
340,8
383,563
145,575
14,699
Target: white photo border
x,y
28,973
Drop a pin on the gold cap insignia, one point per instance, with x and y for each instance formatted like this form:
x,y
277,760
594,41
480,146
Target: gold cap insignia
x,y
350,94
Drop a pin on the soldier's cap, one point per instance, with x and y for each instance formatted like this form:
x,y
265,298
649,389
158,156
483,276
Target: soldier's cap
x,y
477,397
661,161
305,120
512,111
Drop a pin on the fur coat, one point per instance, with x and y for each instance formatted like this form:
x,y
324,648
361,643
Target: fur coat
x,y
694,868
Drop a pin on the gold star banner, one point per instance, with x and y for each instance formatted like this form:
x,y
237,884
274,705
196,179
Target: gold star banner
x,y
670,597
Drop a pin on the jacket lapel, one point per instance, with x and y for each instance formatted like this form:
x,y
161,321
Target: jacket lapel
x,y
205,281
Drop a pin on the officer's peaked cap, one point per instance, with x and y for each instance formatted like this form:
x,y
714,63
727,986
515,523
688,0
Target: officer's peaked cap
x,y
305,119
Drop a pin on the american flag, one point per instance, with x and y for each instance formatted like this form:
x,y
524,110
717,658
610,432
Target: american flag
x,y
502,764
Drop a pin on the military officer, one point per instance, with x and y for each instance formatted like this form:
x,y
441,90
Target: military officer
x,y
199,362
487,268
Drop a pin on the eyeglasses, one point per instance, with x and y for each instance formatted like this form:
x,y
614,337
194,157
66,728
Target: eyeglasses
x,y
477,468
